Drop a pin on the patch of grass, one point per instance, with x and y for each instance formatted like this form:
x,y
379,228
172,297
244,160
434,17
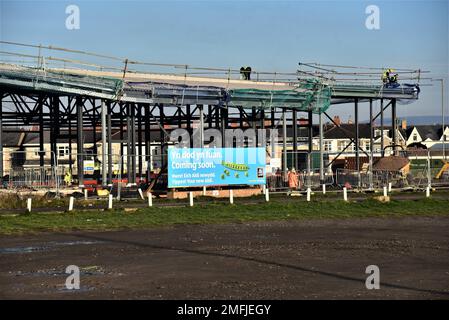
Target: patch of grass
x,y
213,212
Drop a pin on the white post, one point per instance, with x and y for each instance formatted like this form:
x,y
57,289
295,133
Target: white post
x,y
231,196
141,193
345,194
71,200
110,202
267,195
324,188
150,199
264,188
308,194
191,198
389,186
385,191
204,191
85,194
427,192
29,204
429,175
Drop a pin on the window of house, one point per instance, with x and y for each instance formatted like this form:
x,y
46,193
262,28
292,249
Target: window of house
x,y
367,146
415,137
342,145
327,145
63,151
377,133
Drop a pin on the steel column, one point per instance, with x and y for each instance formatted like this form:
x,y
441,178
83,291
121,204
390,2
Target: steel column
x,y
321,148
162,137
371,143
109,140
310,147
41,132
295,139
200,106
69,123
103,144
147,141
139,140
394,124
128,142
54,114
1,137
223,125
284,140
80,141
356,142
382,127
122,148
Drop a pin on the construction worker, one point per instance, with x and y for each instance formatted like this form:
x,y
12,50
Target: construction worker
x,y
97,168
293,179
394,78
68,178
389,77
245,73
386,76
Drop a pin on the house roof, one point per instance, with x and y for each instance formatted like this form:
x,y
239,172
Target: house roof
x,y
10,139
392,163
432,132
347,130
303,131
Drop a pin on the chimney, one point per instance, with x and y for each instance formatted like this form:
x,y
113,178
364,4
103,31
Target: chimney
x,y
349,120
404,124
337,120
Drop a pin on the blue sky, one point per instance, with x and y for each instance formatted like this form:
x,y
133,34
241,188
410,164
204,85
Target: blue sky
x,y
268,35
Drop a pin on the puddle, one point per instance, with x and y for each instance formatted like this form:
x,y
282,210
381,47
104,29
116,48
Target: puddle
x,y
81,289
54,272
48,246
23,249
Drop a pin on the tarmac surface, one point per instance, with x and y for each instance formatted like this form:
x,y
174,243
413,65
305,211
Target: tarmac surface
x,y
314,259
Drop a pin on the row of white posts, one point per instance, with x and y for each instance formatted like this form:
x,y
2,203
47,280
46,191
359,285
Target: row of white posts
x,y
386,190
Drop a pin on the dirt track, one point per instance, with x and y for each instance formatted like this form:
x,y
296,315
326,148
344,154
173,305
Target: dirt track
x,y
269,260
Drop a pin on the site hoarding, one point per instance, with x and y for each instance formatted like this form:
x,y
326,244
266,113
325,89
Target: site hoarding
x,y
196,167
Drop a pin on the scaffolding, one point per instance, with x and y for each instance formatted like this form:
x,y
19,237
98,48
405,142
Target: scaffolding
x,y
65,95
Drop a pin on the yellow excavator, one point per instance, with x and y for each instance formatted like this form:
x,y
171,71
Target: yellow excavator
x,y
442,170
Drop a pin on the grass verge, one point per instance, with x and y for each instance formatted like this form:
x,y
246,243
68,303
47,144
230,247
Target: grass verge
x,y
218,213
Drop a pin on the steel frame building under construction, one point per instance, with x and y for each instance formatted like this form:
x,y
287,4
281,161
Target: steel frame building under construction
x,y
65,96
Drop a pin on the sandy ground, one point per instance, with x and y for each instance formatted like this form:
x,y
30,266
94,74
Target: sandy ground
x,y
265,260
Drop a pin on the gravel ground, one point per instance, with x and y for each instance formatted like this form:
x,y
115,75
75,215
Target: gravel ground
x,y
312,259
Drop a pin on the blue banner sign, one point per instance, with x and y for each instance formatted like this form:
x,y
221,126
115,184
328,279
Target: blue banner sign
x,y
196,167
